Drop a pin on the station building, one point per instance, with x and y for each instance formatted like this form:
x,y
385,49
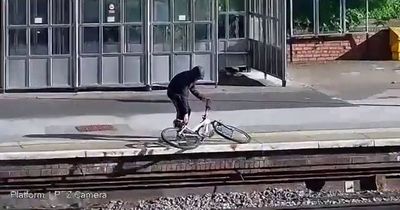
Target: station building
x,y
103,44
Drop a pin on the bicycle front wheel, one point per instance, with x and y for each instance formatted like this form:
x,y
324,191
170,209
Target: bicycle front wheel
x,y
184,141
231,133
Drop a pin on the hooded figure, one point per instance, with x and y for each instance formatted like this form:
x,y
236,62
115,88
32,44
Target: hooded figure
x,y
178,92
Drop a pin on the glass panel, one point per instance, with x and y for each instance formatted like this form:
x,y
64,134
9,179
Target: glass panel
x,y
203,9
260,7
329,18
89,70
111,39
203,37
133,10
91,40
256,29
161,68
134,39
236,26
61,11
251,27
111,11
236,5
91,11
205,62
222,5
162,38
61,41
161,10
221,26
356,15
61,73
132,69
39,11
182,40
17,42
17,12
38,72
182,10
303,18
39,41
110,70
16,73
181,63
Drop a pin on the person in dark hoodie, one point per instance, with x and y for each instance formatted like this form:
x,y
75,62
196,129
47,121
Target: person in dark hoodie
x,y
178,92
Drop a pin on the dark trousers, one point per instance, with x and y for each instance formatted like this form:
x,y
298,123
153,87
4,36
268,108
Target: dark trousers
x,y
181,105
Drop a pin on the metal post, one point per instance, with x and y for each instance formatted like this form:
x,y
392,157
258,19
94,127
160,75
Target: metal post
x,y
3,43
291,18
148,39
367,8
216,41
284,44
316,17
76,70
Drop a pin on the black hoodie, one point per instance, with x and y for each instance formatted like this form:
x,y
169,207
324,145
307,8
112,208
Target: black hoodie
x,y
184,82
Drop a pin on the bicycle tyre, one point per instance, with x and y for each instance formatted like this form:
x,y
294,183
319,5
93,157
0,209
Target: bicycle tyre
x,y
218,126
173,142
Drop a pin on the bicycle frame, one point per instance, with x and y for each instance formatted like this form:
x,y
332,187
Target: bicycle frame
x,y
205,122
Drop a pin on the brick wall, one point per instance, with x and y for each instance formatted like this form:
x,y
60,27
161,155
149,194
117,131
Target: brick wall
x,y
348,47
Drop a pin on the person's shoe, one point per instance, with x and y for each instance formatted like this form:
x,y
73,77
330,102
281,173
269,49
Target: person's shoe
x,y
178,124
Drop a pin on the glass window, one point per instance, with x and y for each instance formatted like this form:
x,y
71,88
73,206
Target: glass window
x,y
134,39
256,29
222,5
17,12
61,41
161,10
203,37
61,11
236,5
17,42
90,40
356,15
251,27
111,11
39,41
236,26
111,39
329,18
182,37
133,10
39,11
162,38
303,17
91,11
203,9
221,26
182,10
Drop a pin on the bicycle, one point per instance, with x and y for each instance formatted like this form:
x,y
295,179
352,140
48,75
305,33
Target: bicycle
x,y
202,131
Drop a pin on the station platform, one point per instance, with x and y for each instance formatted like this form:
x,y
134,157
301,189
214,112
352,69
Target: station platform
x,y
113,146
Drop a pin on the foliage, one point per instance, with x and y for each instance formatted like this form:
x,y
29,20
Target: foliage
x,y
381,11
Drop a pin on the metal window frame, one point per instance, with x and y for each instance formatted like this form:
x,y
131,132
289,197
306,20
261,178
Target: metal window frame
x,y
28,27
316,23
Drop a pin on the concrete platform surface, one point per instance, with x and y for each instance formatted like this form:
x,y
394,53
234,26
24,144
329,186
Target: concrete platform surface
x,y
124,146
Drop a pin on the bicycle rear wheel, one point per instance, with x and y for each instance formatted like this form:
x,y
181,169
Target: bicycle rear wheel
x,y
184,141
231,133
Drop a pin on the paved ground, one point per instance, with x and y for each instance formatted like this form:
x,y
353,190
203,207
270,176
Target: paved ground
x,y
350,80
108,145
338,95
